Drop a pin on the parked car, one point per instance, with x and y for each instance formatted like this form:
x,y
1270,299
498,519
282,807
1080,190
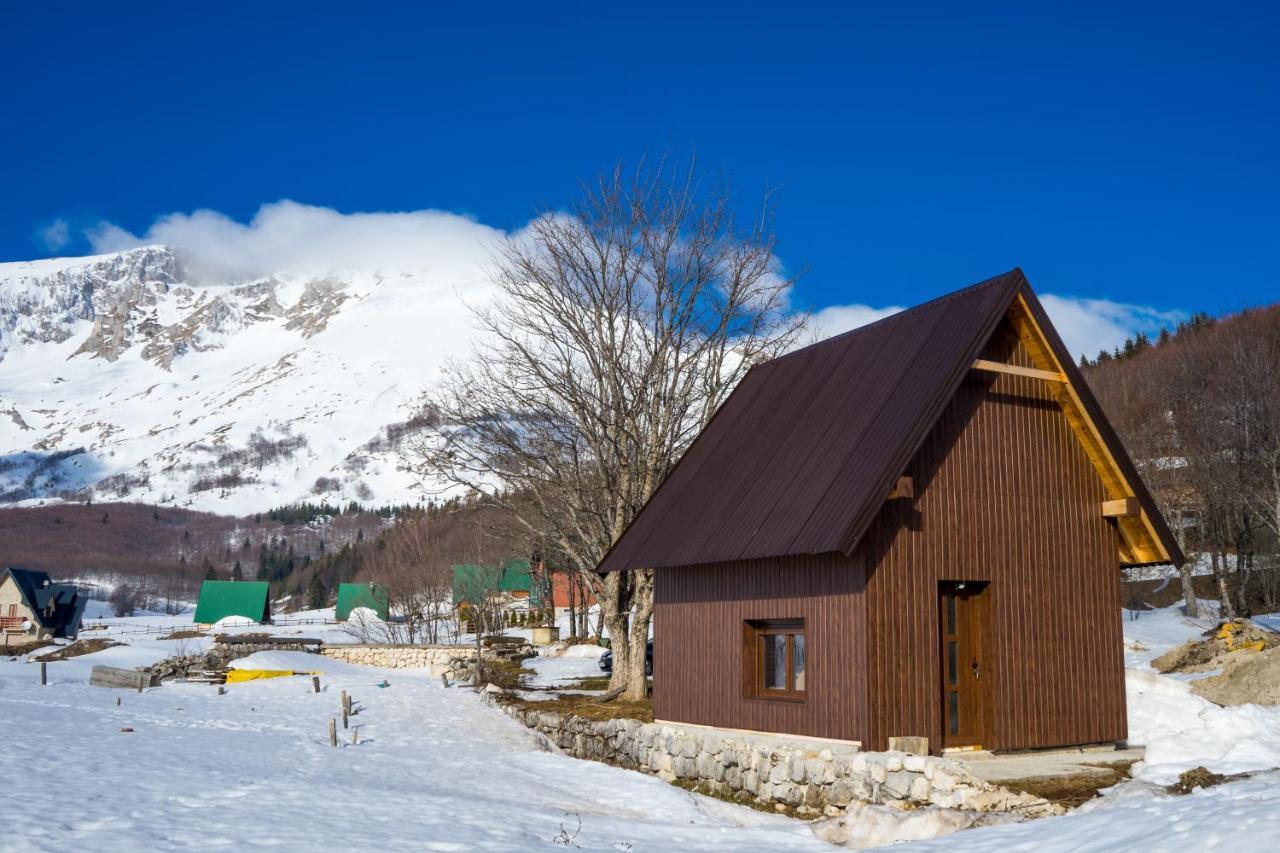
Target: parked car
x,y
606,660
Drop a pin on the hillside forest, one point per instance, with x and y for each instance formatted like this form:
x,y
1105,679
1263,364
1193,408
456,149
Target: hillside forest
x,y
1198,408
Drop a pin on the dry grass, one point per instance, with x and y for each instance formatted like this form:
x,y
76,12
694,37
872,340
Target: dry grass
x,y
185,634
20,649
78,648
589,708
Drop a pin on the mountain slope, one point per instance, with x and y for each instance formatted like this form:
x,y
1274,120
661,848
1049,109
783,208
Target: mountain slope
x,y
121,378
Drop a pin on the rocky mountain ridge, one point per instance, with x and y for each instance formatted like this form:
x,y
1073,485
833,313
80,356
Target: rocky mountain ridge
x,y
121,378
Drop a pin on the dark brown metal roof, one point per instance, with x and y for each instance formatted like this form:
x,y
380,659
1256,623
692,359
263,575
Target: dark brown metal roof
x,y
803,453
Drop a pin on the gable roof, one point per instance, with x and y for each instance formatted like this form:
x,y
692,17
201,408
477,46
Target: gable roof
x,y
38,592
473,583
801,456
220,599
353,595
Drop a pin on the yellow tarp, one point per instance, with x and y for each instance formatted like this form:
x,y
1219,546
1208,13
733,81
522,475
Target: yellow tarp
x,y
234,675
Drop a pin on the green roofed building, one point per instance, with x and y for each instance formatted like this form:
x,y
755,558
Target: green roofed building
x,y
353,595
220,599
473,584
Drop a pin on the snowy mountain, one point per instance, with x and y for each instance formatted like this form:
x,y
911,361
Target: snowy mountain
x,y
122,378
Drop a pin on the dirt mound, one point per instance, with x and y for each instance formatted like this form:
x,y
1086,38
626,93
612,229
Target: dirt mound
x,y
1220,645
1247,677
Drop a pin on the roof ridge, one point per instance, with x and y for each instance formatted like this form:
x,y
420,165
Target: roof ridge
x,y
906,312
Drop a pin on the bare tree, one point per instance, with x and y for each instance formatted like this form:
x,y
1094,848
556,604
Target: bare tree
x,y
123,600
411,564
620,325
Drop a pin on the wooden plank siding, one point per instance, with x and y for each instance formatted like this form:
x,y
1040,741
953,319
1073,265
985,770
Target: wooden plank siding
x,y
697,650
1005,494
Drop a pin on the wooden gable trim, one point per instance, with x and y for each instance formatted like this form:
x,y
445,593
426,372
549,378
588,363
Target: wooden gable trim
x,y
1018,370
1139,541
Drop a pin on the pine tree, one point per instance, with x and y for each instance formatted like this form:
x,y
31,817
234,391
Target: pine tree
x,y
236,573
209,573
316,592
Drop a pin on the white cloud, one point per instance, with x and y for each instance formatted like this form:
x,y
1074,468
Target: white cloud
x,y
835,319
297,237
56,235
1089,325
1085,325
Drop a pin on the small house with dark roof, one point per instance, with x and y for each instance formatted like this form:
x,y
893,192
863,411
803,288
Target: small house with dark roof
x,y
33,607
912,529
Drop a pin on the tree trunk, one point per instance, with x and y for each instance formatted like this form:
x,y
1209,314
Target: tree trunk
x,y
584,609
641,613
569,592
1190,602
1192,605
1226,611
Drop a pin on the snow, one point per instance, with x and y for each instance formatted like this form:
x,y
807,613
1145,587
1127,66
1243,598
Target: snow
x,y
233,622
566,665
1238,816
336,384
1181,730
437,769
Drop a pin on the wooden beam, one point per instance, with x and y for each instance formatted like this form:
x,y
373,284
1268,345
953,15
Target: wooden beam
x,y
1121,508
904,488
1018,370
1137,534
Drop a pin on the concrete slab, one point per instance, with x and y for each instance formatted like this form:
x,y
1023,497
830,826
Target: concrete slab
x,y
1067,777
1000,768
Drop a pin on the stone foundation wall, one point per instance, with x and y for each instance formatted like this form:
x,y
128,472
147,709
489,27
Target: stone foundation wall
x,y
449,660
809,777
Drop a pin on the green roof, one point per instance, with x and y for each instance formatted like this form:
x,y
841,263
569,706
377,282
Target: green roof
x,y
472,582
220,599
353,595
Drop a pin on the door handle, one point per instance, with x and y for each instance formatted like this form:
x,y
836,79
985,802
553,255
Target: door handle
x,y
977,670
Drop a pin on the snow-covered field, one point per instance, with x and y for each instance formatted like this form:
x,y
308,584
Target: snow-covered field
x,y
435,769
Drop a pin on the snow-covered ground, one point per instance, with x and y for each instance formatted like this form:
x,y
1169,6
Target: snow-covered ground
x,y
436,769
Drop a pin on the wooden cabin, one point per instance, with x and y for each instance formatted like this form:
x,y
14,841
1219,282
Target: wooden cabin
x,y
912,529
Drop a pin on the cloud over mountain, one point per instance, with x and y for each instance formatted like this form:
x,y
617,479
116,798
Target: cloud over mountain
x,y
287,235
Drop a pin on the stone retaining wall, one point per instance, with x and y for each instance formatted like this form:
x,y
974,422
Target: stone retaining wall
x,y
455,661
809,777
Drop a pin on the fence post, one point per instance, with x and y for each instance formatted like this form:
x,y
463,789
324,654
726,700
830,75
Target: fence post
x,y
315,684
333,732
44,673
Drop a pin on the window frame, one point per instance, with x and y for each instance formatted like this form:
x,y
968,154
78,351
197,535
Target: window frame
x,y
753,665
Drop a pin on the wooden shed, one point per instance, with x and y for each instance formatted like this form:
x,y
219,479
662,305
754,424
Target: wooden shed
x,y
912,529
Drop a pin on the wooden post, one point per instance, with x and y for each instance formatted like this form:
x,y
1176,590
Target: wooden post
x,y
355,736
345,715
221,691
315,684
119,701
44,673
444,679
333,732
346,703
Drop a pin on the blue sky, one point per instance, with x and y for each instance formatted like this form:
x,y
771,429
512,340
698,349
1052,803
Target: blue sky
x,y
1116,152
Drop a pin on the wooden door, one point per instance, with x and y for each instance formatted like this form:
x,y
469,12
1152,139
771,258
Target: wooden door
x,y
964,627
